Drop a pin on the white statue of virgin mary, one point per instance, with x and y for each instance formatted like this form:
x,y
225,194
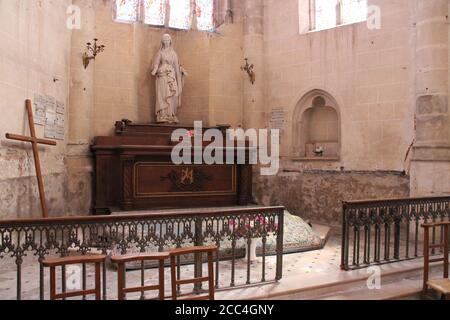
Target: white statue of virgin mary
x,y
169,82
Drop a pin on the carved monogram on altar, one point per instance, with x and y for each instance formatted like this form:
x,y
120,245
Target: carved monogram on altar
x,y
190,180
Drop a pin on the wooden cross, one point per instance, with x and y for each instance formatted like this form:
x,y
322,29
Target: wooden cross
x,y
34,142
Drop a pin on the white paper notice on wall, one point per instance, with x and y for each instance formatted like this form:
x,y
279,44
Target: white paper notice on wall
x,y
59,126
50,125
60,108
50,104
50,117
278,119
39,110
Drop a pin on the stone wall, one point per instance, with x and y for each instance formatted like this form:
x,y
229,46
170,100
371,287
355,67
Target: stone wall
x,y
390,86
317,195
430,166
118,84
35,49
370,73
37,46
124,88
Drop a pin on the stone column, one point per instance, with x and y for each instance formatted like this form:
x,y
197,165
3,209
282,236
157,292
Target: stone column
x,y
430,167
254,113
81,104
82,80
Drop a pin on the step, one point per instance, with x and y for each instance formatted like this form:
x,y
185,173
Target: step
x,y
397,290
315,289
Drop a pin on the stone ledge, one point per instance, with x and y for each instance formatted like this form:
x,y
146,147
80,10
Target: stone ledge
x,y
436,153
330,159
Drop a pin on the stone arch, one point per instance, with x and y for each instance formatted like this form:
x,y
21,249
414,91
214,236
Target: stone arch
x,y
317,125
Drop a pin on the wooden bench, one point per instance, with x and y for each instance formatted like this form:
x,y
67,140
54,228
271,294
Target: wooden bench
x,y
72,260
121,278
440,285
209,250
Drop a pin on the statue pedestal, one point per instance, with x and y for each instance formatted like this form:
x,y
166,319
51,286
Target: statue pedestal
x,y
253,258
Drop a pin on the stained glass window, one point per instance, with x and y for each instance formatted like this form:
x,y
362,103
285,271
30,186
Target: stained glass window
x,y
155,12
127,10
205,15
353,11
180,14
326,14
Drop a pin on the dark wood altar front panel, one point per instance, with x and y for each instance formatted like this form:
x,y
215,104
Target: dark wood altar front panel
x,y
159,185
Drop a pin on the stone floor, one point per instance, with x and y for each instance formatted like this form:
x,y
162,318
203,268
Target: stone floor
x,y
315,271
307,263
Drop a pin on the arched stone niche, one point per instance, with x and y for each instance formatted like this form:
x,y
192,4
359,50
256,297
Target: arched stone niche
x,y
317,127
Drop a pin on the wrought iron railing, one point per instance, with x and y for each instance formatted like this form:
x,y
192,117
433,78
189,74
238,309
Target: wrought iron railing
x,y
125,233
387,231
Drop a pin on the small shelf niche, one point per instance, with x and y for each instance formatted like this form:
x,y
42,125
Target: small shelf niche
x,y
317,128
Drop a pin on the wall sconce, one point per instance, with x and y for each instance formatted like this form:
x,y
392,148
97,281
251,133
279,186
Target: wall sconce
x,y
249,69
93,51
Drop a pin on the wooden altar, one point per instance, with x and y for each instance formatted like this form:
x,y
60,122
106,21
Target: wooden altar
x,y
134,171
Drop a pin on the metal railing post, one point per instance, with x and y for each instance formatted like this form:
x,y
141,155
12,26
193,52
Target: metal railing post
x,y
344,248
198,259
280,245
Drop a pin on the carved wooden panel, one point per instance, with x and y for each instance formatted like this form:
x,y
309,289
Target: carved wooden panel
x,y
162,180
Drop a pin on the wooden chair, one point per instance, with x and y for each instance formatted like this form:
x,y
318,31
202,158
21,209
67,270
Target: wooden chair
x,y
210,250
63,262
440,285
121,278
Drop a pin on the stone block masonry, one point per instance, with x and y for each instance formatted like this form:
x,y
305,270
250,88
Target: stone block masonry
x,y
317,195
